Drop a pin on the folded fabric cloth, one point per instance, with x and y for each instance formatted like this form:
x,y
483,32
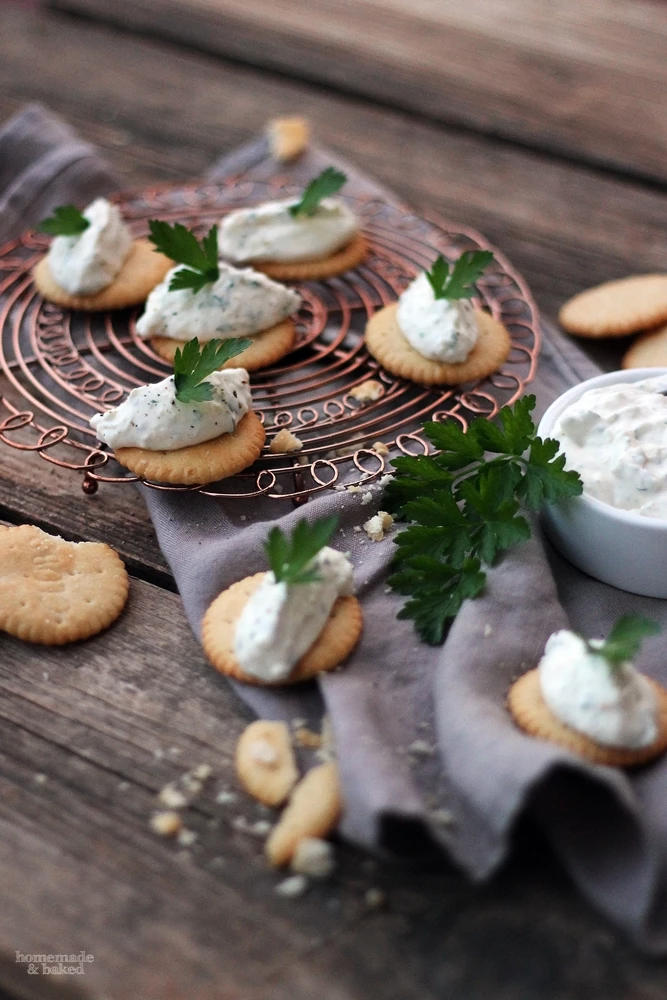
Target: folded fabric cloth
x,y
428,753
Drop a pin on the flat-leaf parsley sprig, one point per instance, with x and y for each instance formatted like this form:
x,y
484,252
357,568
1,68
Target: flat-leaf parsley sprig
x,y
327,183
200,260
465,508
625,640
289,557
66,220
458,281
192,365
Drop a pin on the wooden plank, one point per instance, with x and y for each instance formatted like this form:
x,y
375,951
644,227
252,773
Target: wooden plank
x,y
584,79
35,491
88,736
565,227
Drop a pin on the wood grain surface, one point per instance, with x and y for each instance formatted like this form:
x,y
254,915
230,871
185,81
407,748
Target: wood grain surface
x,y
582,78
89,734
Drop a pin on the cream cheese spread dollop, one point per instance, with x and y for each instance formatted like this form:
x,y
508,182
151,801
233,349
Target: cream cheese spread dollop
x,y
614,707
281,621
437,328
89,262
240,303
616,438
269,232
151,417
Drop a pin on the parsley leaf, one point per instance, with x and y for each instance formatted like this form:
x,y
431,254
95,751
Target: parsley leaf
x,y
464,508
458,281
66,220
182,246
326,183
289,558
192,366
625,639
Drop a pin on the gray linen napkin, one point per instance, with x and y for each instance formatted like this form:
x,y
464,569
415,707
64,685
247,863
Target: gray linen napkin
x,y
427,751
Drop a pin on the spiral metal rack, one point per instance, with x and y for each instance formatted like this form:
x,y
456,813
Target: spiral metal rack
x,y
60,367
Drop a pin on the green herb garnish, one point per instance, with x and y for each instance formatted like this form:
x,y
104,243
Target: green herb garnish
x,y
289,558
457,281
464,508
328,182
625,639
182,246
192,366
66,220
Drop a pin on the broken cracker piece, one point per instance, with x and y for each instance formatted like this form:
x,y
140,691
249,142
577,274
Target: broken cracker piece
x,y
377,526
380,447
285,441
288,137
313,811
368,391
265,762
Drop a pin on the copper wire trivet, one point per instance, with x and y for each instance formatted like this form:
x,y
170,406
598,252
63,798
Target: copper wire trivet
x,y
63,366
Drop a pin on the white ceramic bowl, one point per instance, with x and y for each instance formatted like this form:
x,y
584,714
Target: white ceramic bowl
x,y
619,547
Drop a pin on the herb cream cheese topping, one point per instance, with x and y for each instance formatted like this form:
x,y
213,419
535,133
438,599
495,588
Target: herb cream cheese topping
x,y
151,417
269,232
281,621
241,302
616,439
615,707
439,329
89,262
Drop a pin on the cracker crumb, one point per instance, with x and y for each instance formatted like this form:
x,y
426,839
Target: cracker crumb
x,y
385,480
488,630
374,898
377,526
285,441
366,498
123,786
186,838
387,590
166,824
298,722
226,797
357,528
353,489
172,797
304,737
40,779
380,447
443,817
314,857
422,748
293,886
45,675
263,752
288,137
260,828
202,772
368,391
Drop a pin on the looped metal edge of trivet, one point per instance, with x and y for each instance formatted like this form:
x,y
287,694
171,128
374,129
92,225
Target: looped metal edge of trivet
x,y
62,367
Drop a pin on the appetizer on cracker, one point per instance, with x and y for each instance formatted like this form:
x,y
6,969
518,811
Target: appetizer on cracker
x,y
433,334
291,623
309,238
93,263
208,299
586,695
193,428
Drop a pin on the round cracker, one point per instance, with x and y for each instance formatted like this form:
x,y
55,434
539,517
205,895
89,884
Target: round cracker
x,y
648,351
342,260
532,714
267,347
203,463
333,645
52,591
386,342
143,269
617,308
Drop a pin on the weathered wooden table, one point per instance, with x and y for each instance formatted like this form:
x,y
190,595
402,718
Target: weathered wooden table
x,y
545,126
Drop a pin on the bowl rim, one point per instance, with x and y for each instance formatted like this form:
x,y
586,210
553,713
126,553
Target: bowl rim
x,y
559,404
